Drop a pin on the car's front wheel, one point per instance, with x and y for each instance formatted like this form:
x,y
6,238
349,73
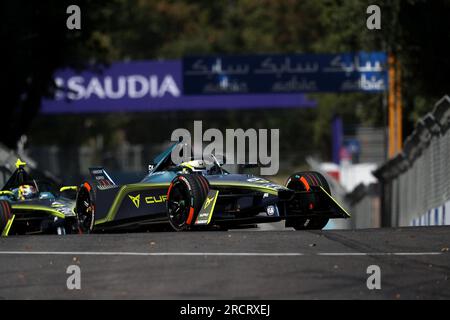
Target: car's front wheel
x,y
85,208
5,214
303,181
185,196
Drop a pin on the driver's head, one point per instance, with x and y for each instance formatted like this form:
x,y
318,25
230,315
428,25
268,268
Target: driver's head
x,y
194,165
27,191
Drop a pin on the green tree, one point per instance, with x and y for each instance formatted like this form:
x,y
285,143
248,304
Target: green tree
x,y
36,42
416,30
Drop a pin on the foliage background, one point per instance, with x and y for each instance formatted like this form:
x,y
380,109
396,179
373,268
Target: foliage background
x,y
36,42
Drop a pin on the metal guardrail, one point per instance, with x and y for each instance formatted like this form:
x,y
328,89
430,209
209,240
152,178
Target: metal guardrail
x,y
415,187
364,204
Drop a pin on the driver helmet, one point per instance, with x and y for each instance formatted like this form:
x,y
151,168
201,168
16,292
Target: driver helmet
x,y
194,165
27,191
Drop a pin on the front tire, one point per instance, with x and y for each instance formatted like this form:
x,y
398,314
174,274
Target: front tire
x,y
5,214
185,197
303,181
85,208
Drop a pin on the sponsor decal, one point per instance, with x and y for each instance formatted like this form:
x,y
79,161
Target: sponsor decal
x,y
146,86
156,199
208,202
132,86
148,200
206,211
57,205
136,200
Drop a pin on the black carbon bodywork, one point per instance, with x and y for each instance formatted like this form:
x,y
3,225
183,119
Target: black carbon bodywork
x,y
47,211
242,199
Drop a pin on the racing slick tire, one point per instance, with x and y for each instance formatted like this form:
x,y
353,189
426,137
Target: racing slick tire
x,y
185,197
5,214
301,181
85,207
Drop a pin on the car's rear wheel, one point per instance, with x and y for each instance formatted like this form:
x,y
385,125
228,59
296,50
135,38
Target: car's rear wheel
x,y
185,197
5,214
85,208
303,181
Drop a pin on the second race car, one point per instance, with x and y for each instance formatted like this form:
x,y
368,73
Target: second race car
x,y
33,206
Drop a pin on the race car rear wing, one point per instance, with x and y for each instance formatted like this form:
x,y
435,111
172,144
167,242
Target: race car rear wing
x,y
102,178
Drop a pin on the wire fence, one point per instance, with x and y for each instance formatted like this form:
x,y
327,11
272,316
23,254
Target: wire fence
x,y
364,203
415,188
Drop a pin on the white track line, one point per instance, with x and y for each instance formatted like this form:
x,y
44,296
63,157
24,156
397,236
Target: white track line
x,y
379,253
241,254
87,253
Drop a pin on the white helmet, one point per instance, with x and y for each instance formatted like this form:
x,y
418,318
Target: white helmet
x,y
27,191
194,165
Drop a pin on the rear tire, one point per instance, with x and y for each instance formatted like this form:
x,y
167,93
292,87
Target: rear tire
x,y
301,181
5,214
85,208
185,197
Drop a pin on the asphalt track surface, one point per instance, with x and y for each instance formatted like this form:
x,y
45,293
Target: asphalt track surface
x,y
414,264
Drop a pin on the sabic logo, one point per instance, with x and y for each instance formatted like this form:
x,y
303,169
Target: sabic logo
x,y
136,200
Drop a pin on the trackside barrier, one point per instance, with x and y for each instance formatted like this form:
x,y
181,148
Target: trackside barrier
x,y
364,205
414,186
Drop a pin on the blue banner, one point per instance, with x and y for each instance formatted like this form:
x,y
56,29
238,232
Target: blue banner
x,y
141,86
281,74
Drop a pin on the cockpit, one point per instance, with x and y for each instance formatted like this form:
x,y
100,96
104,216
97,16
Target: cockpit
x,y
163,168
164,162
21,186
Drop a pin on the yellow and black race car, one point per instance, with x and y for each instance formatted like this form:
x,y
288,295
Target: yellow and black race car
x,y
30,206
190,196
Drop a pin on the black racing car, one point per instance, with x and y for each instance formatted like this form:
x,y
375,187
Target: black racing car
x,y
190,196
32,206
